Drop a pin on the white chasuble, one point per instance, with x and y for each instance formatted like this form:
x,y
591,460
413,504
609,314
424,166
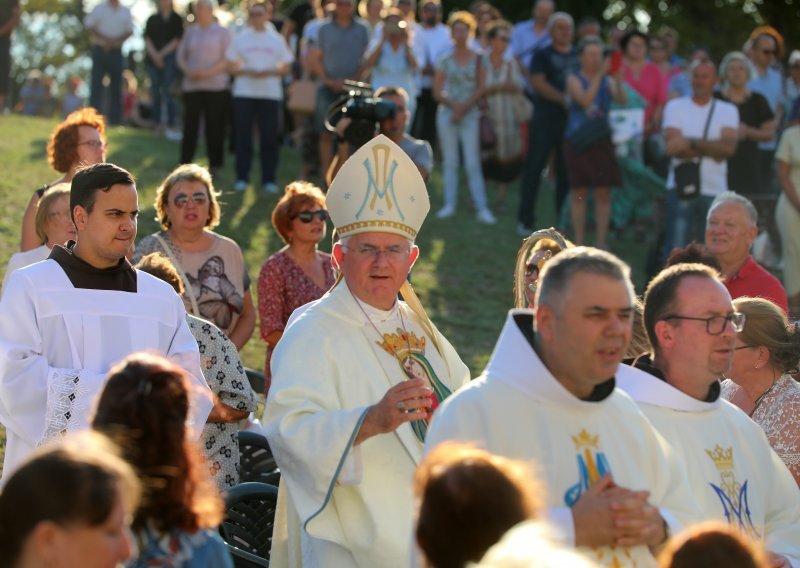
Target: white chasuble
x,y
341,505
519,410
58,342
734,474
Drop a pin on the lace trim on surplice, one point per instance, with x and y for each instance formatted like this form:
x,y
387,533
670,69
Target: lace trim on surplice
x,y
66,401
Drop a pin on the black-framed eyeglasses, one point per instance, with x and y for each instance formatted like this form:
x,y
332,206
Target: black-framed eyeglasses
x,y
198,198
744,347
308,216
715,325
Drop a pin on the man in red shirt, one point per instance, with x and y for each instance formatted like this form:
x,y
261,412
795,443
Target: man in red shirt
x,y
731,228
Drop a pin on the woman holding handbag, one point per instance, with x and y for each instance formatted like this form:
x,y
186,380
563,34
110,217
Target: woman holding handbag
x,y
458,87
588,150
502,163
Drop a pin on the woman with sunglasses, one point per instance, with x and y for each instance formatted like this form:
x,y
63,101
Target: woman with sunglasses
x,y
760,381
212,267
76,142
298,273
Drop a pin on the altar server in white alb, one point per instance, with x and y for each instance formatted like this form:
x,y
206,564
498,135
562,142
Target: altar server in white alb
x,y
549,395
356,377
734,473
65,321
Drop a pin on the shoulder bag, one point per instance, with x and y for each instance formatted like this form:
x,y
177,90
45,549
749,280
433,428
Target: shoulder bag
x,y
521,107
487,134
687,174
187,286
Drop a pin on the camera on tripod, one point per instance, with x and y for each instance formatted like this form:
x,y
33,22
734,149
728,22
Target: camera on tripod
x,y
365,112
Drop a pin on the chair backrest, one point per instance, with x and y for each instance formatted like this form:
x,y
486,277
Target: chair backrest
x,y
257,380
255,459
249,519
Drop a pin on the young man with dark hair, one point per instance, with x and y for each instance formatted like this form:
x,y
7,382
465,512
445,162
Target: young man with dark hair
x,y
66,320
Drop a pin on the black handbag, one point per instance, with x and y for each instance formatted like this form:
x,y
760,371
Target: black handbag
x,y
590,133
687,174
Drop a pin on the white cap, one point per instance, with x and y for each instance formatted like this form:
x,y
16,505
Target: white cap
x,y
378,189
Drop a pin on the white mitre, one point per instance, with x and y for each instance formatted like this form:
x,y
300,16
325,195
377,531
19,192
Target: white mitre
x,y
378,189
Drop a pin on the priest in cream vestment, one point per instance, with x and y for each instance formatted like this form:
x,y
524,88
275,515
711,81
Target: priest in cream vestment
x,y
550,396
735,475
356,377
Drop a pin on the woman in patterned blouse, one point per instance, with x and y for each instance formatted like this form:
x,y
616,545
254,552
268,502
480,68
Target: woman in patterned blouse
x,y
760,378
298,273
223,371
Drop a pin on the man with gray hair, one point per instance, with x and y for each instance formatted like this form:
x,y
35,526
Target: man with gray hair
x,y
548,394
731,228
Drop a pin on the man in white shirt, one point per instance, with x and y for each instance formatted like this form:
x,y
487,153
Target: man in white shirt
x,y
431,42
109,24
549,395
258,56
734,474
689,142
65,321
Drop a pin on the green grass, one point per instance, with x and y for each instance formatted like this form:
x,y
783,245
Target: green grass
x,y
464,276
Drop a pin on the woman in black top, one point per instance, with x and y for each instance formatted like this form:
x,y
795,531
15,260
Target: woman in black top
x,y
162,34
756,123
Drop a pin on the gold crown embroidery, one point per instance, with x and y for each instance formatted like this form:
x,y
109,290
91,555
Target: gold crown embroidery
x,y
585,440
402,343
723,458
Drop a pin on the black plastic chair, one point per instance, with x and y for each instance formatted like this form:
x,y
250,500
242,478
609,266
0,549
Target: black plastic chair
x,y
255,460
249,520
256,379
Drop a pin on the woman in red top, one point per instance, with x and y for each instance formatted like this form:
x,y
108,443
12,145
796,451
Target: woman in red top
x,y
298,273
644,77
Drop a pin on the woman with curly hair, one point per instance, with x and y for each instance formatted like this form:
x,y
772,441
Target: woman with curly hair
x,y
76,142
143,408
298,273
212,267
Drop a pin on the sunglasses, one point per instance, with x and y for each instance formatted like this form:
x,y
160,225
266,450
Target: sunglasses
x,y
198,198
308,216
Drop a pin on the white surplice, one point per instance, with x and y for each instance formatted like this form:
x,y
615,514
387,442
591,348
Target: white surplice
x,y
58,342
519,410
341,505
735,475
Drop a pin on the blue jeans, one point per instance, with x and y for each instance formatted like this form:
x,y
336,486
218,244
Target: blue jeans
x,y
265,115
450,134
686,220
161,81
107,62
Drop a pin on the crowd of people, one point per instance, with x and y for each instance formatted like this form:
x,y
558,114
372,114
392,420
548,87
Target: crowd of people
x,y
607,429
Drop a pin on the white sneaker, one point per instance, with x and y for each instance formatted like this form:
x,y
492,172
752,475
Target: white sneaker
x,y
173,135
485,216
240,185
446,212
270,187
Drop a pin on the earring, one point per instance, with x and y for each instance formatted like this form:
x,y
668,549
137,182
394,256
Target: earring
x,y
756,366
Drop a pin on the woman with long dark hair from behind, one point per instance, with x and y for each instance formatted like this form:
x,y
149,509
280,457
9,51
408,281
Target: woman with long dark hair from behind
x,y
144,408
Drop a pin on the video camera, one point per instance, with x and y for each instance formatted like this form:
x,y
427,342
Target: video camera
x,y
362,109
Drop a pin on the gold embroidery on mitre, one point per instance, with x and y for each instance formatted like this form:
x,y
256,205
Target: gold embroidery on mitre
x,y
343,231
585,440
402,343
